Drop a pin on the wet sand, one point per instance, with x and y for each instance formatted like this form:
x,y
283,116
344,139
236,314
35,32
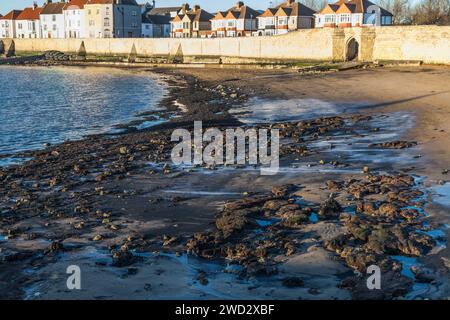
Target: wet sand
x,y
128,223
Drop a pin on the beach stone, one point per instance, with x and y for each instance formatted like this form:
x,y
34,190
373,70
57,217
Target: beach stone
x,y
283,191
274,205
123,258
394,145
329,209
388,209
123,150
97,237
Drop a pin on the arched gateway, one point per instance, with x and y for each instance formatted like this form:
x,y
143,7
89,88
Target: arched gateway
x,y
352,50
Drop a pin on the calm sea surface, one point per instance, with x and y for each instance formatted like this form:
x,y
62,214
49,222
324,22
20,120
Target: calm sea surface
x,y
50,105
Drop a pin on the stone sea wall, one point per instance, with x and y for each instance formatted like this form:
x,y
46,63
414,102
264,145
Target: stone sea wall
x,y
429,44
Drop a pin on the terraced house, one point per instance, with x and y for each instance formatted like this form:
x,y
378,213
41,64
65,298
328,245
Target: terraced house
x,y
113,19
28,23
8,24
195,23
51,20
74,17
353,13
239,21
288,16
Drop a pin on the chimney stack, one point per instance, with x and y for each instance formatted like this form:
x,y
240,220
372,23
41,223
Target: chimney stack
x,y
239,5
184,8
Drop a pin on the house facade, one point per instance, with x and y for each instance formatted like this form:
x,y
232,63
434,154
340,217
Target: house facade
x,y
99,19
288,16
127,19
74,18
238,21
352,13
51,20
155,26
195,23
28,24
113,18
8,24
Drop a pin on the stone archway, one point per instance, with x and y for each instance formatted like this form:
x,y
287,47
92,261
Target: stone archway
x,y
352,50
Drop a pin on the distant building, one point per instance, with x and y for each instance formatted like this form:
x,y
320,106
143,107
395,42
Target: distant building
x,y
241,20
352,13
113,18
8,24
195,23
166,11
288,16
74,18
155,26
156,21
28,23
52,20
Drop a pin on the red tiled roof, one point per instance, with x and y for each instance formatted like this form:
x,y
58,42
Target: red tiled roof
x,y
12,15
100,2
30,14
125,2
53,8
75,4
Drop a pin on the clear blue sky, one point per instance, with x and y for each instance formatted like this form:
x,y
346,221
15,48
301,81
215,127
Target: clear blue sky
x,y
210,5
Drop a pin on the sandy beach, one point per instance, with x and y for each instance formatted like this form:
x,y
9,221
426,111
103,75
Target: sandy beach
x,y
363,181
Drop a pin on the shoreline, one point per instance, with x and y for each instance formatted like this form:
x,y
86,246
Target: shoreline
x,y
93,207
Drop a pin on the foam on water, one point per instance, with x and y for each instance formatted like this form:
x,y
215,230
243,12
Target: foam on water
x,y
203,193
260,110
441,195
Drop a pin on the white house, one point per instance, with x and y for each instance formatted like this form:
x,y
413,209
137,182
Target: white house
x,y
52,20
74,19
28,23
239,21
8,24
352,13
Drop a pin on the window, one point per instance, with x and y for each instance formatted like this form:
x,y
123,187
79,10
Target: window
x,y
54,18
134,13
106,22
282,21
54,27
98,11
231,23
345,18
329,18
